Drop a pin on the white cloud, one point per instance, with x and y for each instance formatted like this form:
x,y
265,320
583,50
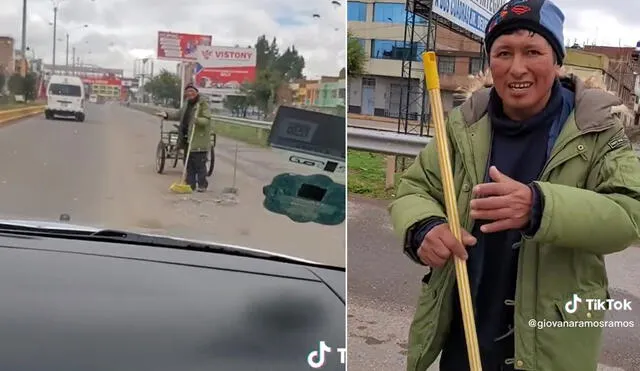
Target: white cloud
x,y
120,31
605,23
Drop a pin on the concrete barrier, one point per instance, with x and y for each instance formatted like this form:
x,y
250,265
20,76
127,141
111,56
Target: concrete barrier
x,y
7,116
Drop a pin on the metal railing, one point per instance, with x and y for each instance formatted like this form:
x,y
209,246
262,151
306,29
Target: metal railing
x,y
389,143
149,108
244,122
385,142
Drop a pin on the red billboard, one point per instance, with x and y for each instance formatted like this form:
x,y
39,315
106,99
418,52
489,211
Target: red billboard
x,y
180,46
225,67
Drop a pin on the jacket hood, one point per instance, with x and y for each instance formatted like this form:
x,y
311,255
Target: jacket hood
x,y
595,106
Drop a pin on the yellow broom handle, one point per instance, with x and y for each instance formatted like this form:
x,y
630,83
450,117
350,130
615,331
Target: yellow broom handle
x,y
437,113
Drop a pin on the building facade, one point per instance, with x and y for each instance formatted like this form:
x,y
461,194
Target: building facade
x,y
331,94
379,26
7,56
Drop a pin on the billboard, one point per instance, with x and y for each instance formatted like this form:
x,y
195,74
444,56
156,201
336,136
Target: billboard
x,y
472,15
130,82
225,67
180,46
102,81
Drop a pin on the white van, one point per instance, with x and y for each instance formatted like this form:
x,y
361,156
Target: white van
x,y
65,97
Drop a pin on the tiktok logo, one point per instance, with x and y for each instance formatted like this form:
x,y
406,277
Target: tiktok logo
x,y
572,305
316,358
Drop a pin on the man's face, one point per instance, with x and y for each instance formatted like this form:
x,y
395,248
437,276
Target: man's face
x,y
523,69
190,94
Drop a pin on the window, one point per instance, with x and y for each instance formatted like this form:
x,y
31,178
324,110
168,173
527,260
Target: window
x,y
392,13
447,65
475,65
356,11
390,49
369,81
65,90
341,93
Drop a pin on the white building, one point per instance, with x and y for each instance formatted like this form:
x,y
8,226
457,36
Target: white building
x,y
379,26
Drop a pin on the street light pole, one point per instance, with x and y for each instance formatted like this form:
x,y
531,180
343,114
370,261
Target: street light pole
x,y
67,58
24,29
73,59
55,24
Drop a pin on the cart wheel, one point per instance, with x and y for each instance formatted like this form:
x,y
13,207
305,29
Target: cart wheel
x,y
161,155
211,160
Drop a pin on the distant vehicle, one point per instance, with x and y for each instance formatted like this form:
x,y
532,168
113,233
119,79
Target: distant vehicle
x,y
65,97
93,98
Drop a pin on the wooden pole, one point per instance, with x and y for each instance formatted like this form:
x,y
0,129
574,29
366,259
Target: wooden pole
x,y
433,86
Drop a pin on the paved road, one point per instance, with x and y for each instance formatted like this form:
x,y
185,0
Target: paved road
x,y
383,287
101,172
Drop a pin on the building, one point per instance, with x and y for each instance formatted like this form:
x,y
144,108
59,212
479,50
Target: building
x,y
331,93
380,28
622,68
7,58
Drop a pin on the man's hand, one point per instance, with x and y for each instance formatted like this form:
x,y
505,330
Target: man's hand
x,y
440,243
506,202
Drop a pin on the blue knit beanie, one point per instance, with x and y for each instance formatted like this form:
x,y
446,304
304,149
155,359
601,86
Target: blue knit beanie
x,y
540,16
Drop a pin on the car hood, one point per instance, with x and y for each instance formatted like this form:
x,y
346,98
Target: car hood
x,y
83,228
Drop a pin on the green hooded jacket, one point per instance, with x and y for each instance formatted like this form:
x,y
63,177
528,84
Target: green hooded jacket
x,y
591,192
201,121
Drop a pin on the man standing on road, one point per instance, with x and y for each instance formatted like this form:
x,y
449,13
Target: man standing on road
x,y
547,183
194,116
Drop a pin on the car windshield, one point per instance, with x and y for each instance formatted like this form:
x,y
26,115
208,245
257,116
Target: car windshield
x,y
65,90
205,171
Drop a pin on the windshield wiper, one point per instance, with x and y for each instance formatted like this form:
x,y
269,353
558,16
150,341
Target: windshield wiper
x,y
124,237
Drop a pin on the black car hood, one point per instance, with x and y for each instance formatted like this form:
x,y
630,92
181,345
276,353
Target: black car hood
x,y
85,305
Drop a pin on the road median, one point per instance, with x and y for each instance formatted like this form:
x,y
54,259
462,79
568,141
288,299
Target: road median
x,y
13,114
225,127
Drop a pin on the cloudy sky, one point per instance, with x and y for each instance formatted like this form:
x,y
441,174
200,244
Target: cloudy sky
x,y
119,31
605,22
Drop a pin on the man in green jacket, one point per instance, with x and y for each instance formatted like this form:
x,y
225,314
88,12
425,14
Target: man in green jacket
x,y
547,184
194,116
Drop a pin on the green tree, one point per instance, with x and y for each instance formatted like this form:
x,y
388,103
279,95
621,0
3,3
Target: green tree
x,y
356,56
16,84
273,69
237,104
165,87
3,81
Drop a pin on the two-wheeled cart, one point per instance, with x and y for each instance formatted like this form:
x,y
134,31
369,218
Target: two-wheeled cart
x,y
168,149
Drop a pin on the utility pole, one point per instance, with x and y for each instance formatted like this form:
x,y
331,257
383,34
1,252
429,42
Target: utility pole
x,y
73,60
55,25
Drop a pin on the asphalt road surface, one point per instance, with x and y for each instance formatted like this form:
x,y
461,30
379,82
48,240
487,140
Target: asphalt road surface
x,y
102,173
383,289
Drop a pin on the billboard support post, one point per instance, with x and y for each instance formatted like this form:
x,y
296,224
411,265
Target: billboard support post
x,y
465,17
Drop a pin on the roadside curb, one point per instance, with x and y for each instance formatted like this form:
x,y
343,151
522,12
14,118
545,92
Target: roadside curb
x,y
10,116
